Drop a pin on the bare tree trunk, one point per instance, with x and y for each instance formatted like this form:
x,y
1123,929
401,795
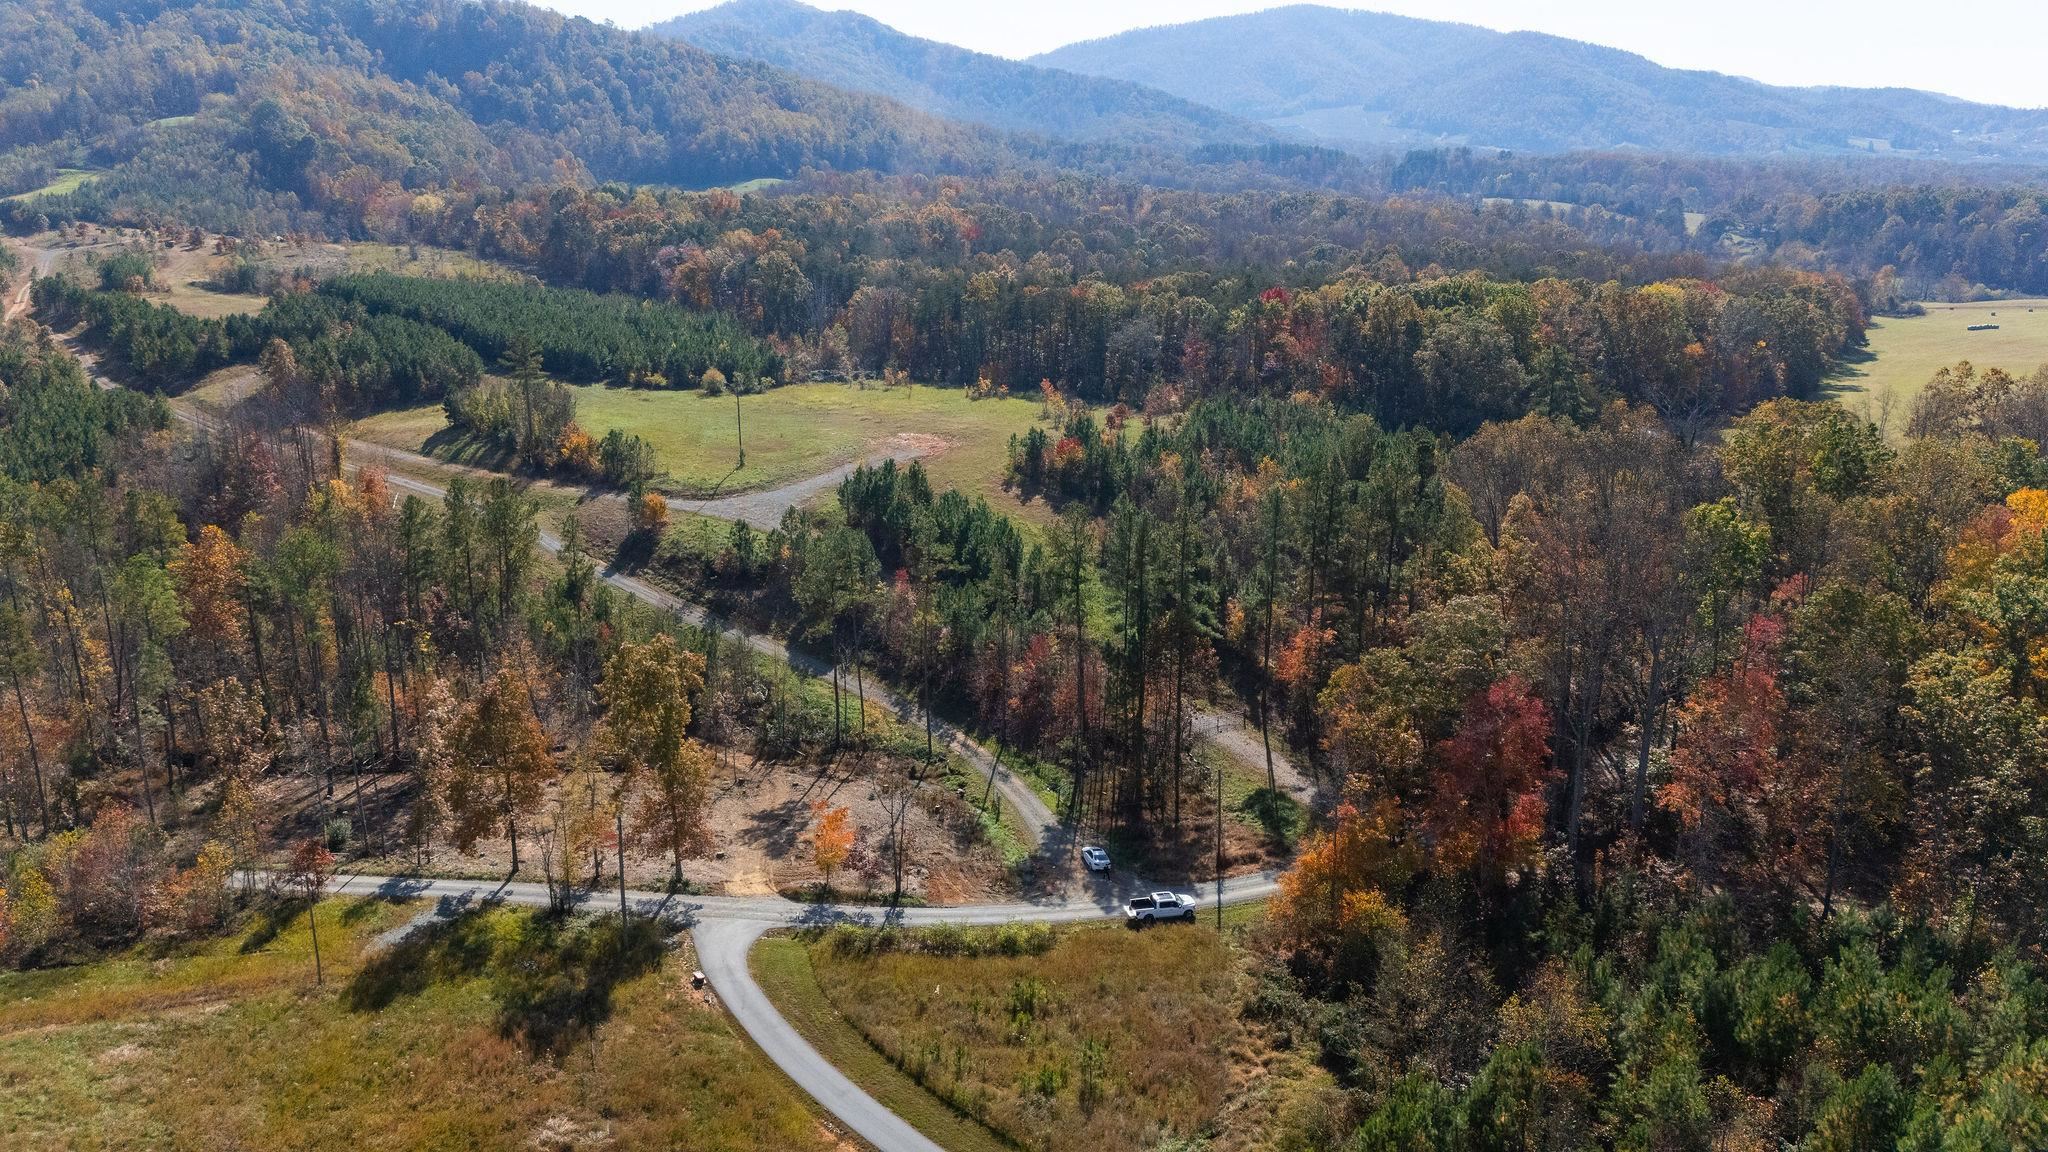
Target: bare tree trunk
x,y
1648,723
35,760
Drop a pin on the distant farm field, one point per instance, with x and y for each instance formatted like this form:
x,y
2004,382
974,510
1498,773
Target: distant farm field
x,y
791,433
1905,352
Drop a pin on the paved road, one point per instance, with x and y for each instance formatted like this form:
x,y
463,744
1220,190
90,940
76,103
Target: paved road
x,y
725,929
764,509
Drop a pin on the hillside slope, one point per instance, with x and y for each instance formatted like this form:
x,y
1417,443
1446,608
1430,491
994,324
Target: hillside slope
x,y
272,111
1370,78
849,50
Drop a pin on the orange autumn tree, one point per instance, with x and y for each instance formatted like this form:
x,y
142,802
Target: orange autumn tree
x,y
1741,802
209,575
832,841
1333,905
1486,808
500,765
650,513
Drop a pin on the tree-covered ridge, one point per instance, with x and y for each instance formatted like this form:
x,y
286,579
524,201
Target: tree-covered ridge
x,y
580,336
852,51
1378,78
294,114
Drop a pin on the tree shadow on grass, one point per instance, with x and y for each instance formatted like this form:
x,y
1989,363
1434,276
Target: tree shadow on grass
x,y
362,908
551,977
456,948
558,989
1281,816
271,917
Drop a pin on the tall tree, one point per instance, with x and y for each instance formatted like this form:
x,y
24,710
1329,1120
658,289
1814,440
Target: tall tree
x,y
501,762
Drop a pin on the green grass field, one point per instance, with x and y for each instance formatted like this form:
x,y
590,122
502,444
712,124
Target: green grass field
x,y
68,180
1905,352
791,433
1111,1038
503,1030
783,968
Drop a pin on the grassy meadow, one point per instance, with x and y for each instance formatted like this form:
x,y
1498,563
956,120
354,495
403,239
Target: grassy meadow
x,y
1906,351
67,180
791,433
1085,1038
501,1029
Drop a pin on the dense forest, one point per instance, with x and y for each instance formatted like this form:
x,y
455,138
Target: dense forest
x,y
1690,795
1258,293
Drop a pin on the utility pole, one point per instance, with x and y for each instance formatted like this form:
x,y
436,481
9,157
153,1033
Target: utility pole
x,y
739,426
1219,844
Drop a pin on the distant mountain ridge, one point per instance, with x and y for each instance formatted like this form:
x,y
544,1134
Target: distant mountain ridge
x,y
1367,78
849,50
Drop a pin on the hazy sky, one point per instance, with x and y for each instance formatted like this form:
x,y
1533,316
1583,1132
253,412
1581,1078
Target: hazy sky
x,y
1990,50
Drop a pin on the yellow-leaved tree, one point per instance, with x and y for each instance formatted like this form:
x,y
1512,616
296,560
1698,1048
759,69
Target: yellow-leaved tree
x,y
647,691
500,763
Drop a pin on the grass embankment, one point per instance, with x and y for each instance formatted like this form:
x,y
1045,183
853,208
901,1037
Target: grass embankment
x,y
1084,1038
1906,351
782,965
792,433
500,1030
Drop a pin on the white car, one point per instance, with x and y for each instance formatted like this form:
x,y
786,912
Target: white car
x,y
1095,858
1160,906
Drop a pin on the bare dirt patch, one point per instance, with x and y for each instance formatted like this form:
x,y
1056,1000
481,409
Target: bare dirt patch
x,y
760,820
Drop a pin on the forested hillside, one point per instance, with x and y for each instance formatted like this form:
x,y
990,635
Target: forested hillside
x,y
359,117
853,51
283,114
1371,78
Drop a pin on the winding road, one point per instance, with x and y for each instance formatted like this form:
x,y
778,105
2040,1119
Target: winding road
x,y
726,927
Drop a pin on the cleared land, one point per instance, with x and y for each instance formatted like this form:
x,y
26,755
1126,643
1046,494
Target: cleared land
x,y
1906,351
1082,1038
183,273
791,433
68,180
499,1030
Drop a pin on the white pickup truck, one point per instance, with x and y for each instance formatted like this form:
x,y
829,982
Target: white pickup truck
x,y
1160,906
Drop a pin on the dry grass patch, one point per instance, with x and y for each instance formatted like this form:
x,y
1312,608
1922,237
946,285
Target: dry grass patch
x,y
501,1030
1088,1038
